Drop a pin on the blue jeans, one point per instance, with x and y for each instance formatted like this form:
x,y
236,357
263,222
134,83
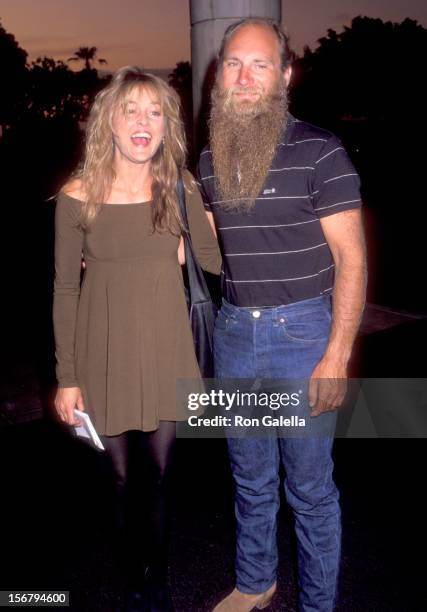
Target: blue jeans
x,y
283,342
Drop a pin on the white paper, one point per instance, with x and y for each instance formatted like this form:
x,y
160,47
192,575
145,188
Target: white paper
x,y
86,428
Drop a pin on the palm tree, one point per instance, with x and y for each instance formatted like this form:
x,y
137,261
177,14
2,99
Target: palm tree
x,y
181,76
88,55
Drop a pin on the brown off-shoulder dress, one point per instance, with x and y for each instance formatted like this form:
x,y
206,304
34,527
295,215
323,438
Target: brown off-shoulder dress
x,y
122,334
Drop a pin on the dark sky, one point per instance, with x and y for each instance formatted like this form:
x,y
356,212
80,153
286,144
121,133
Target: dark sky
x,y
155,33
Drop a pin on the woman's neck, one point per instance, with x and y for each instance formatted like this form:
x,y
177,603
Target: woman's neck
x,y
132,183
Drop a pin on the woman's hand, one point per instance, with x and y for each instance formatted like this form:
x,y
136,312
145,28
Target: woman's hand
x,y
65,401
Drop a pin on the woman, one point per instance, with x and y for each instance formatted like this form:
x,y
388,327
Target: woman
x,y
123,336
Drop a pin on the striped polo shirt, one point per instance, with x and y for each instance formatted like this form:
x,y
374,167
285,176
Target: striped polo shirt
x,y
277,253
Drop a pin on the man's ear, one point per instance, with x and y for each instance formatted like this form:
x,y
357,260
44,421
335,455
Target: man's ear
x,y
287,74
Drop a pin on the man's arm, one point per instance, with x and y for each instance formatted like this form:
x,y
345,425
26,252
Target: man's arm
x,y
344,235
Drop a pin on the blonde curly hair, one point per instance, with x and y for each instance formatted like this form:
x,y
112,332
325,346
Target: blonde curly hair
x,y
97,169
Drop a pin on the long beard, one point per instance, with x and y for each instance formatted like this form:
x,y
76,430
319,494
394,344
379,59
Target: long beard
x,y
243,141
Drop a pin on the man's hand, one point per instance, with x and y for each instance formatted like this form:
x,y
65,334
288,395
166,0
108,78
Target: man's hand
x,y
65,401
328,386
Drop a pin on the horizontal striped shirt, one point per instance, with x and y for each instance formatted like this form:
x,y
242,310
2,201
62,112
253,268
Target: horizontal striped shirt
x,y
277,253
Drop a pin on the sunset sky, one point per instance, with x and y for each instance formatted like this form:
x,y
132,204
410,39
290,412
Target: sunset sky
x,y
156,33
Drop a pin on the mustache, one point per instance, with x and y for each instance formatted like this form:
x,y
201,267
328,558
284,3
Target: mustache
x,y
241,89
226,95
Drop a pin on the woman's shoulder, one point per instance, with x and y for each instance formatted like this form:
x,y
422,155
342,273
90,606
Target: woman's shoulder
x,y
74,189
69,201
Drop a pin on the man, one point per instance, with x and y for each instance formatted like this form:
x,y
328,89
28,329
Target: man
x,y
286,204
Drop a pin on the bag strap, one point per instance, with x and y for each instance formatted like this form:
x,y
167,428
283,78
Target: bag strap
x,y
181,200
198,288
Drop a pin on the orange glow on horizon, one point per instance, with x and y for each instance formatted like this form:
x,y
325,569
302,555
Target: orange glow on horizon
x,y
156,33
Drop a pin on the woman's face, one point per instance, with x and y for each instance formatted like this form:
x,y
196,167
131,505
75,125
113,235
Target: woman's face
x,y
138,125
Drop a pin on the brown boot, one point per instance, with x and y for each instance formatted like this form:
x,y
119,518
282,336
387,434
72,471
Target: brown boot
x,y
245,602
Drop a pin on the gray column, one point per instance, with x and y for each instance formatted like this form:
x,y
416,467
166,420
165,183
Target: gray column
x,y
209,20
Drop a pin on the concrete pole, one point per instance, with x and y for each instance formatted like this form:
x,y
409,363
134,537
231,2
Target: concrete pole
x,y
209,20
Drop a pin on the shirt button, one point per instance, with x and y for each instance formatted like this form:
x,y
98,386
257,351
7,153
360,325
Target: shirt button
x,y
282,320
256,314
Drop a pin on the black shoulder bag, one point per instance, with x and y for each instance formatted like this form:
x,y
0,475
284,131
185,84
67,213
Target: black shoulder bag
x,y
202,310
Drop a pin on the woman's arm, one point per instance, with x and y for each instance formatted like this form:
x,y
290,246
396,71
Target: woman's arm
x,y
202,236
68,251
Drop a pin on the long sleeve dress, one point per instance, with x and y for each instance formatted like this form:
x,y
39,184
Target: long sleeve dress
x,y
122,334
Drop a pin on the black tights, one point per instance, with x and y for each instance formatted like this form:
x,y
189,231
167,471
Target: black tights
x,y
141,466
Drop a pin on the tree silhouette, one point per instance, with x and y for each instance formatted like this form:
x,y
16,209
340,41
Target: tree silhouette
x,y
87,55
373,70
13,72
52,90
181,79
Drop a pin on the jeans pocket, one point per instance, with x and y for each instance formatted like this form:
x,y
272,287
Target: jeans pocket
x,y
308,327
223,321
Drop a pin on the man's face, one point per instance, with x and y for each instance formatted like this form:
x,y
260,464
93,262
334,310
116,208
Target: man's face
x,y
251,67
248,114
